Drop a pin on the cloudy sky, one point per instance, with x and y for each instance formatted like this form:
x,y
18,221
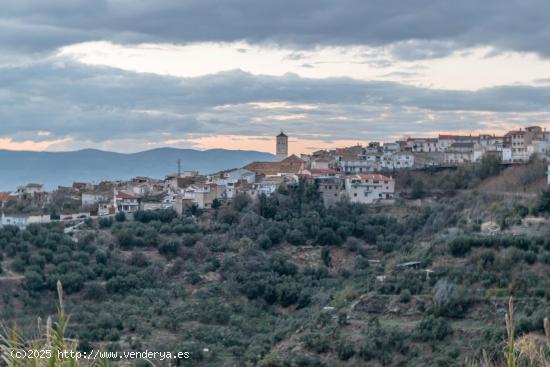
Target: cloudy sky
x,y
130,75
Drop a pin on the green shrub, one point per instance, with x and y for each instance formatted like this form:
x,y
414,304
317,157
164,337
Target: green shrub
x,y
433,329
120,217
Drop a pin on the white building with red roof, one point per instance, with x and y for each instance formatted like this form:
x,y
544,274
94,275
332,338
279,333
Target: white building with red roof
x,y
125,202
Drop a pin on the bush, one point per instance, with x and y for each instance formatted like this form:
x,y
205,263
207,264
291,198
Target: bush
x,y
264,242
194,277
296,237
418,190
344,349
327,237
543,204
449,300
405,296
316,342
105,222
34,281
460,246
325,256
353,244
120,217
433,329
126,239
275,234
240,201
94,292
169,249
381,343
72,281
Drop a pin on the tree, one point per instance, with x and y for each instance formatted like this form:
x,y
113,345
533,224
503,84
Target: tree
x,y
169,249
120,217
460,246
490,165
433,329
216,203
264,241
73,281
240,201
105,222
296,237
344,349
327,258
449,300
275,234
327,237
125,239
543,205
418,190
34,281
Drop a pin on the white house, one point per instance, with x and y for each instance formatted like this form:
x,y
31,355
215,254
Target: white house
x,y
445,142
14,220
398,160
518,140
229,180
459,153
422,145
391,147
31,189
203,195
92,198
322,163
125,202
539,146
369,188
266,186
506,154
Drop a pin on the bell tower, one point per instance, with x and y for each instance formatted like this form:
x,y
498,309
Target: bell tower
x,y
282,146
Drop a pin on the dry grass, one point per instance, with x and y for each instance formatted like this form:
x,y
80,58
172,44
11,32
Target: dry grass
x,y
49,346
527,351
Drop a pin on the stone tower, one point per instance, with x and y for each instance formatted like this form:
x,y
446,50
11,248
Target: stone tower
x,y
282,146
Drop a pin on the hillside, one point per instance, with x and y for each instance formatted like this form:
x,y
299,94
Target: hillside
x,y
489,177
63,168
284,281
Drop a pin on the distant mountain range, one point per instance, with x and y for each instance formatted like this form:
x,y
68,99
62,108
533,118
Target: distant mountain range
x,y
90,165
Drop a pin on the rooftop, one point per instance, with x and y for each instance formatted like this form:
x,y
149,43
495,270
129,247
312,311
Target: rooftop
x,y
370,176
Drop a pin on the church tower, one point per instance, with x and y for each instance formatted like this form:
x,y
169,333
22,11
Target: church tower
x,y
282,146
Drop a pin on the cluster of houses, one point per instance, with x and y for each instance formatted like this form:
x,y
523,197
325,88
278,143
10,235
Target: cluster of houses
x,y
515,146
361,174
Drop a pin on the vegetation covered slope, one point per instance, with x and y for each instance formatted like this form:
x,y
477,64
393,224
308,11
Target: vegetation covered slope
x,y
284,281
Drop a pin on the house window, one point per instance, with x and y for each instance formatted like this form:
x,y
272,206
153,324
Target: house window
x,y
354,194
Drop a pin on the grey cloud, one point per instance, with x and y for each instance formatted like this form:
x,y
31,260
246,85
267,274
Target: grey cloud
x,y
419,50
432,25
101,104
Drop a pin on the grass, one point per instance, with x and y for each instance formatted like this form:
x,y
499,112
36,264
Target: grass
x,y
49,348
526,351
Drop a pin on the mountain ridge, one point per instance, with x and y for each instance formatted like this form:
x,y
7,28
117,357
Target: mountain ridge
x,y
91,165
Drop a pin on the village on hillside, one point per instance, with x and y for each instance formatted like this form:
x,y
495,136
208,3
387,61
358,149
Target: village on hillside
x,y
361,174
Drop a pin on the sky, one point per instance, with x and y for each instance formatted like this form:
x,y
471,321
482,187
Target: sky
x,y
132,75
